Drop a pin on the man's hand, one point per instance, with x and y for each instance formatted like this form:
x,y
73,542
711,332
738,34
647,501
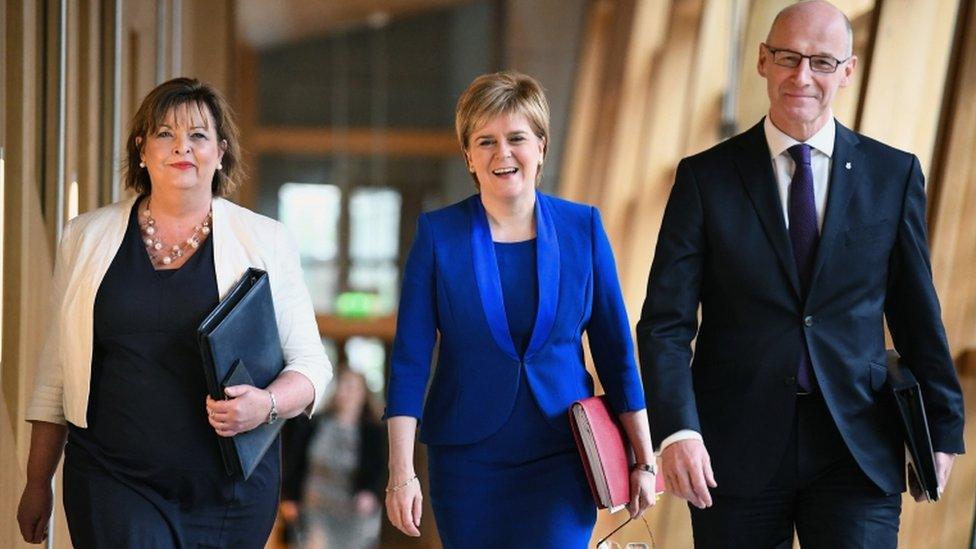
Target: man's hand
x,y
943,467
687,471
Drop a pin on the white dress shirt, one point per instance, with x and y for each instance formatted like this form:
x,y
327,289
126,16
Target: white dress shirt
x,y
822,147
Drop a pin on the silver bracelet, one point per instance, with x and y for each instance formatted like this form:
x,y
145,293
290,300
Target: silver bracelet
x,y
402,485
273,414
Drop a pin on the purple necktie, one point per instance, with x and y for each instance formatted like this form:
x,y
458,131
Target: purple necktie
x,y
804,235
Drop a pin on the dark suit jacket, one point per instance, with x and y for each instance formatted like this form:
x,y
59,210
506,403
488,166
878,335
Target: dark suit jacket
x,y
724,244
451,287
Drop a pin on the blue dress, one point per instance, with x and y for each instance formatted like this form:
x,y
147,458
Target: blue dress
x,y
147,472
524,485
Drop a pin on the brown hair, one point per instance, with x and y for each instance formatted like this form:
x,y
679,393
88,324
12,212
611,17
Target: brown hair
x,y
491,95
152,114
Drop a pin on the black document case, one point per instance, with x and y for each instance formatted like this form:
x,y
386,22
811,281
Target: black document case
x,y
239,343
918,441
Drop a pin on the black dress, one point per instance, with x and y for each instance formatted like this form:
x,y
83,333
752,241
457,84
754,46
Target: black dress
x,y
147,472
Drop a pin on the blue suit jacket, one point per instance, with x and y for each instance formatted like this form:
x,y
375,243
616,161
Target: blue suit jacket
x,y
451,287
724,244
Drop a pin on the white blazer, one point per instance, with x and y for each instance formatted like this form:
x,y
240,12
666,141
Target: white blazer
x,y
89,242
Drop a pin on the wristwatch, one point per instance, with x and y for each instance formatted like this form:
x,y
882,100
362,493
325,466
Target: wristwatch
x,y
273,414
647,468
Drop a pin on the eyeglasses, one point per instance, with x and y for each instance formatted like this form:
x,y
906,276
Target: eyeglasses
x,y
818,63
606,543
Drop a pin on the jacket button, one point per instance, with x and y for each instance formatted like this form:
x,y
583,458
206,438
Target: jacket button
x,y
808,321
789,381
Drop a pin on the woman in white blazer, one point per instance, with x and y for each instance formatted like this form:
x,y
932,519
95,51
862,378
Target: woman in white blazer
x,y
120,388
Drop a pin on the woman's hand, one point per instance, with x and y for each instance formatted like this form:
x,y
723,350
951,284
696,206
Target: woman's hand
x,y
405,504
643,486
34,512
643,494
246,408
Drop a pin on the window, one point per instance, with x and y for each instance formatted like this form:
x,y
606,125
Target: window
x,y
311,213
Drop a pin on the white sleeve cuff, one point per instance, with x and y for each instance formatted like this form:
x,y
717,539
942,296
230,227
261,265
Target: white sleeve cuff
x,y
684,434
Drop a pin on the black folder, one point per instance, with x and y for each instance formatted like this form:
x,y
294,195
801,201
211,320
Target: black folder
x,y
915,426
239,343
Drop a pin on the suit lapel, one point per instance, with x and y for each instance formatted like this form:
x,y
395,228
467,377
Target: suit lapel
x,y
547,269
846,167
756,170
489,279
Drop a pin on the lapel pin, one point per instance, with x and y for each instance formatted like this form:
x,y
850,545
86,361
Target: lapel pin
x,y
848,165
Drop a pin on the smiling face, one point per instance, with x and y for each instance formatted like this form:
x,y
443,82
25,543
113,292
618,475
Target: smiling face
x,y
505,155
799,98
184,151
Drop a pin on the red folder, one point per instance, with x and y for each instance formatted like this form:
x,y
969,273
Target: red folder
x,y
606,454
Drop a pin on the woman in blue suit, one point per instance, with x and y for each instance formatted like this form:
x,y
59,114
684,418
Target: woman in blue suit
x,y
510,278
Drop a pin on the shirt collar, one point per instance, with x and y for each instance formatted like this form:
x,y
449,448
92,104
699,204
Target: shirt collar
x,y
778,141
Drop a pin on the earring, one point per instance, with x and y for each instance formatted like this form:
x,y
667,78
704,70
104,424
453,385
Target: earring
x,y
220,166
142,164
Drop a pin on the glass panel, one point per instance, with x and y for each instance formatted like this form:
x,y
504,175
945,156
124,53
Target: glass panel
x,y
322,280
379,277
374,216
311,213
374,244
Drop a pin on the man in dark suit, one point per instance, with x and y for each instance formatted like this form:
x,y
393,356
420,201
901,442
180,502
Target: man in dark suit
x,y
798,239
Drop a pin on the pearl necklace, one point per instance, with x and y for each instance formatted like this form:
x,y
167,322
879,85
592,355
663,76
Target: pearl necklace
x,y
160,253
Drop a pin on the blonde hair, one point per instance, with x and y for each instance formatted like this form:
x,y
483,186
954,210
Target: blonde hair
x,y
501,93
152,113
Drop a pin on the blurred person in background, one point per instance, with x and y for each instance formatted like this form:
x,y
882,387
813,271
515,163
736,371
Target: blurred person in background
x,y
510,279
335,471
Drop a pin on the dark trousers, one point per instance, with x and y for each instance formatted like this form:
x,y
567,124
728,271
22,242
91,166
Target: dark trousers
x,y
819,490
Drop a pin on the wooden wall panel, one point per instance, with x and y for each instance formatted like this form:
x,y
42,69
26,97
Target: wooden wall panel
x,y
26,247
90,90
139,38
626,140
952,215
661,146
597,101
909,61
207,42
